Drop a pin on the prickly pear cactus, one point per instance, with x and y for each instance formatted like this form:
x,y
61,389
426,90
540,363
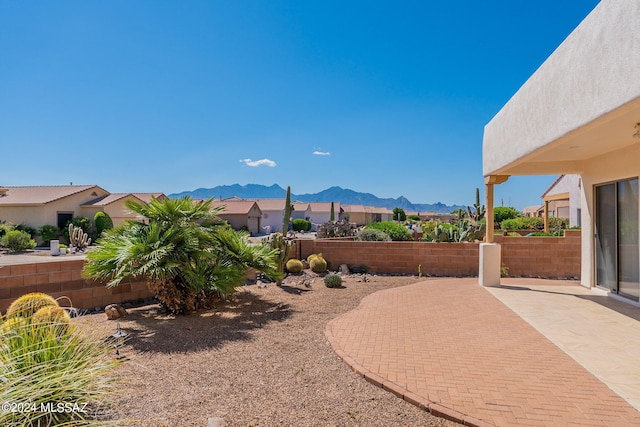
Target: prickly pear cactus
x,y
78,237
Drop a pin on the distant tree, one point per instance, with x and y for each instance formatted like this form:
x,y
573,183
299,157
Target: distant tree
x,y
332,217
501,213
399,215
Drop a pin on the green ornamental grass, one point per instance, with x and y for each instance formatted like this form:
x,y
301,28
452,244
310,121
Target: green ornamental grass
x,y
52,374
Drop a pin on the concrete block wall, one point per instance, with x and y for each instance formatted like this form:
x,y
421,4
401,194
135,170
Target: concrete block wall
x,y
552,257
546,257
436,259
63,278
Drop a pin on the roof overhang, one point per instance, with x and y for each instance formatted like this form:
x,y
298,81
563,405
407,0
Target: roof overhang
x,y
583,102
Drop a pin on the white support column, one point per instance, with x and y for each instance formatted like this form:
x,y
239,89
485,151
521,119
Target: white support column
x,y
490,252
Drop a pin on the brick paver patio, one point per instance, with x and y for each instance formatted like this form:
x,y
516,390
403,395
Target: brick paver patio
x,y
450,346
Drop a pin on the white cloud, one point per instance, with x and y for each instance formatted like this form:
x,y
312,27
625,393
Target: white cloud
x,y
321,153
256,163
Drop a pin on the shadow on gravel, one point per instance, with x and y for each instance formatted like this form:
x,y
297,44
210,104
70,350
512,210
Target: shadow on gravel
x,y
293,290
149,329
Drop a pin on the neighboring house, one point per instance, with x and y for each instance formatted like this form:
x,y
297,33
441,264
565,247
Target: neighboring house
x,y
36,206
363,215
240,214
320,212
301,211
272,214
114,205
579,113
533,211
356,214
563,199
377,214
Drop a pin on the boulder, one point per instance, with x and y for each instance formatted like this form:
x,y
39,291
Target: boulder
x,y
114,311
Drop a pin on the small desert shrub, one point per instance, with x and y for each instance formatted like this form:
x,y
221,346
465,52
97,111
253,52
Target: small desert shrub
x,y
103,222
48,233
330,229
522,223
503,213
294,266
397,232
82,222
32,232
333,281
372,235
300,224
543,234
17,241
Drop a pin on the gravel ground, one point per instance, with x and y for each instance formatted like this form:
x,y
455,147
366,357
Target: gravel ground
x,y
260,359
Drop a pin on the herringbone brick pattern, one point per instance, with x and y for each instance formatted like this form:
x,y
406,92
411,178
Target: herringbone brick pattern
x,y
452,347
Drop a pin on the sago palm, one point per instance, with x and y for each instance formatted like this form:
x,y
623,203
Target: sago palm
x,y
185,254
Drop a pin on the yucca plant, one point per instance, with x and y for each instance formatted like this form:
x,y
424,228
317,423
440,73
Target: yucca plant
x,y
52,374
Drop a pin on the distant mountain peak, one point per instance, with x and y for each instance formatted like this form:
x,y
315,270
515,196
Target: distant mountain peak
x,y
331,194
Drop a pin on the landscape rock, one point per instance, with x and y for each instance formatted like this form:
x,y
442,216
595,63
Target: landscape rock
x,y
114,311
344,269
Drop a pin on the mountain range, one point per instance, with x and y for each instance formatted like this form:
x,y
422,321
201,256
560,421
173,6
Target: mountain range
x,y
332,194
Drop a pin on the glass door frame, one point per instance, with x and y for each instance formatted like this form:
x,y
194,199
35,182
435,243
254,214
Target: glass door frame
x,y
615,288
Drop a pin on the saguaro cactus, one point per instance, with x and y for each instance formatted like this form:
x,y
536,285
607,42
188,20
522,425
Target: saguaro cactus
x,y
78,237
286,219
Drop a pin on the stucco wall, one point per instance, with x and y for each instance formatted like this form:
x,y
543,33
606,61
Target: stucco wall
x,y
593,72
272,219
63,278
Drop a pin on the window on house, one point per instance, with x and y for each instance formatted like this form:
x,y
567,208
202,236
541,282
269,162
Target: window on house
x,y
64,218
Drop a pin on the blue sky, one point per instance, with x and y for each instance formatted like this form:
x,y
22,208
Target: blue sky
x,y
384,97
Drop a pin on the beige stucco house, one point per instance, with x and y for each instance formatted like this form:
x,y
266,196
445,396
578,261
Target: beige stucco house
x,y
36,206
579,113
363,215
563,199
240,214
114,205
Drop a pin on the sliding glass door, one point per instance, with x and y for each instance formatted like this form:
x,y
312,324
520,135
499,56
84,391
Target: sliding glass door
x,y
617,254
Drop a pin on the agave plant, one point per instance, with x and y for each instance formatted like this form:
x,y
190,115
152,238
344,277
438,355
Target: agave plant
x,y
185,253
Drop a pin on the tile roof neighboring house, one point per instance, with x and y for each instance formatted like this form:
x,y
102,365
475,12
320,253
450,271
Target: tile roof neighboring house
x,y
270,204
234,207
114,197
324,207
40,195
300,206
531,210
354,208
146,197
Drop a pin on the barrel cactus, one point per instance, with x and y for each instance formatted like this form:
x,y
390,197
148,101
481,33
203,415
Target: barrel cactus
x,y
318,264
294,266
28,304
51,314
333,281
